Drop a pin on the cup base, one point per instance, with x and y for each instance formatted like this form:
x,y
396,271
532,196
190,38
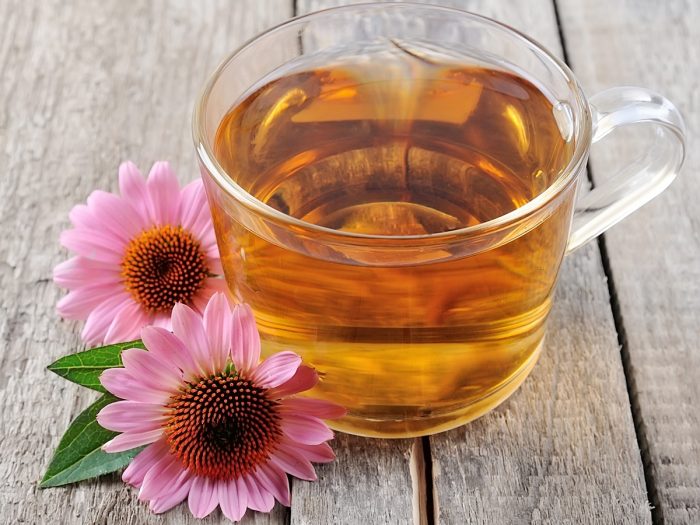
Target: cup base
x,y
425,426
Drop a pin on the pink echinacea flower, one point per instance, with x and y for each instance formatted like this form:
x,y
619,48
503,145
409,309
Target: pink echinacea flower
x,y
222,428
138,254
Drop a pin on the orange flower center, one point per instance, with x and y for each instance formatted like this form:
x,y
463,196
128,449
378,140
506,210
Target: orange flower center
x,y
163,266
223,427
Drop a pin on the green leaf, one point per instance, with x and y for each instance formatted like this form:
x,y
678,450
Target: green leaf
x,y
85,368
79,455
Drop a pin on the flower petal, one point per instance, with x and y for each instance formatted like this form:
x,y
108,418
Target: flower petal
x,y
306,429
132,416
101,317
194,213
275,481
232,498
164,193
127,324
293,463
132,187
203,497
177,492
217,325
81,217
115,214
129,440
166,346
312,407
213,262
188,326
79,303
122,384
93,244
158,481
212,285
321,453
143,462
81,271
151,371
258,498
162,320
304,379
276,369
245,339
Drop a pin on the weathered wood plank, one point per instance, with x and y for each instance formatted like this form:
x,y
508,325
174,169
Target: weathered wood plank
x,y
371,481
84,86
563,448
654,254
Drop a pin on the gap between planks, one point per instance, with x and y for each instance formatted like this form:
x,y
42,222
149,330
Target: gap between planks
x,y
618,321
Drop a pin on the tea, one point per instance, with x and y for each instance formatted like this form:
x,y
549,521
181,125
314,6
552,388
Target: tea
x,y
399,145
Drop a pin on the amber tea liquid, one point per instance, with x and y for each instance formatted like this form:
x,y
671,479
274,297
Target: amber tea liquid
x,y
398,146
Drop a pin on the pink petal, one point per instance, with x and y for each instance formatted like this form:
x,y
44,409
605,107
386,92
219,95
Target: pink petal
x,y
213,263
258,498
101,317
211,287
162,320
306,429
127,324
276,369
164,193
122,384
321,453
194,212
176,493
232,498
275,481
81,217
294,463
132,187
158,481
80,271
208,243
129,440
93,244
144,461
217,325
152,371
312,407
166,346
188,326
304,379
203,497
132,416
116,215
79,303
245,340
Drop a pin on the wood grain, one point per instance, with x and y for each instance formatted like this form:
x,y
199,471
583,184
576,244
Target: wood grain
x,y
655,254
85,85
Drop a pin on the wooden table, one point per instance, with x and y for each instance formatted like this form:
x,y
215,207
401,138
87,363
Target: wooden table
x,y
607,428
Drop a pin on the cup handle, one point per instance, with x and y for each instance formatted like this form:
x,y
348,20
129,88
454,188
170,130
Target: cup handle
x,y
643,178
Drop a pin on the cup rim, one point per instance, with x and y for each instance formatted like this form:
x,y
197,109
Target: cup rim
x,y
256,206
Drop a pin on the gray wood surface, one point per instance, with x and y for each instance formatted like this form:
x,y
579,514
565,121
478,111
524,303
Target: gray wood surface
x,y
87,84
655,254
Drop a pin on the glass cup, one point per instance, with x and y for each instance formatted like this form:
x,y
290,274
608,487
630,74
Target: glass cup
x,y
417,333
